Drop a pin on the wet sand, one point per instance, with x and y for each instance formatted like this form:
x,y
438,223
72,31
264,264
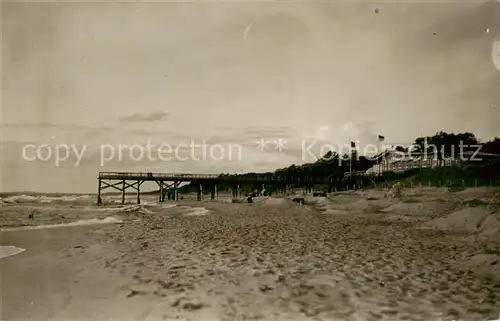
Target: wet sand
x,y
59,277
271,260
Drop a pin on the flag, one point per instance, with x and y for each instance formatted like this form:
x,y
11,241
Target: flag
x,y
381,138
353,145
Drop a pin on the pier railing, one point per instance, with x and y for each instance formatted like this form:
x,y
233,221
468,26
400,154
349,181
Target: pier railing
x,y
125,175
220,177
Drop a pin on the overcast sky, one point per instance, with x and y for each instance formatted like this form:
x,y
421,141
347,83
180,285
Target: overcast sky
x,y
95,74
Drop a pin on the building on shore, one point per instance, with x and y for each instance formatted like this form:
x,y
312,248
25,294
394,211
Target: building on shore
x,y
396,161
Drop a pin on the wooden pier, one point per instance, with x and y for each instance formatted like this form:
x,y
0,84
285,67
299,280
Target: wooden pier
x,y
168,183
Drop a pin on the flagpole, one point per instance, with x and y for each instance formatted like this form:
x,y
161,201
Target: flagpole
x,y
350,158
350,164
380,140
350,161
379,160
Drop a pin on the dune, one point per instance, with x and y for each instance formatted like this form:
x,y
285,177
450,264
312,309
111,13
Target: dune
x,y
487,265
491,223
404,208
331,211
468,219
477,191
197,211
274,201
421,208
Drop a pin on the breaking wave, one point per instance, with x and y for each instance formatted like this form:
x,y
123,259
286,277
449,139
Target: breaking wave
x,y
107,220
23,198
9,250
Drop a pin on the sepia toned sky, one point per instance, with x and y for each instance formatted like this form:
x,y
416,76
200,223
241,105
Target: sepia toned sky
x,y
231,73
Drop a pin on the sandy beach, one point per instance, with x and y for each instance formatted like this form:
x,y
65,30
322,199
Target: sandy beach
x,y
431,254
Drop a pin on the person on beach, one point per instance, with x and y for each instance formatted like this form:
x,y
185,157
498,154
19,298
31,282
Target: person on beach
x,y
396,190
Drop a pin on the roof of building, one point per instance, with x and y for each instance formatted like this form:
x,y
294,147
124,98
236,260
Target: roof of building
x,y
480,154
403,155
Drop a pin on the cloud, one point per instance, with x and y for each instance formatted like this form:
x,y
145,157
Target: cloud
x,y
266,132
52,126
52,133
146,132
145,117
250,136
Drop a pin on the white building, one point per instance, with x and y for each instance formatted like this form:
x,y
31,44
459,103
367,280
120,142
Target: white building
x,y
395,161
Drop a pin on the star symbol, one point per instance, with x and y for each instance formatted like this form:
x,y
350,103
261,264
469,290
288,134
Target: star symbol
x,y
280,144
261,145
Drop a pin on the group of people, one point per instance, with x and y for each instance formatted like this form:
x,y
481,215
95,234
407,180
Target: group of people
x,y
149,174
